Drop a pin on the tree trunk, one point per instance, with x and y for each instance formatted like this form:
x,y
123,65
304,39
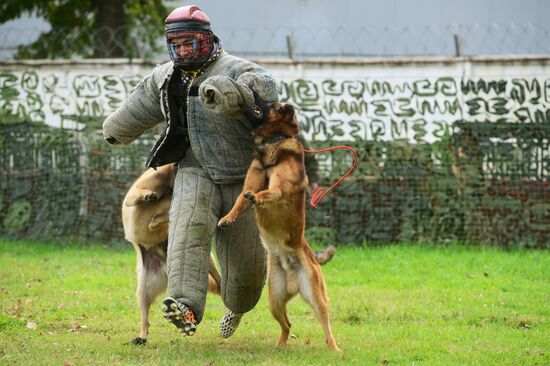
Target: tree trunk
x,y
111,30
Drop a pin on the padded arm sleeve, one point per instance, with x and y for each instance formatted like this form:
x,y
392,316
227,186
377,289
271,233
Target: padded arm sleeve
x,y
140,112
224,95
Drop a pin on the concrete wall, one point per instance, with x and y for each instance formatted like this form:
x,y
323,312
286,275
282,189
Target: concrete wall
x,y
380,99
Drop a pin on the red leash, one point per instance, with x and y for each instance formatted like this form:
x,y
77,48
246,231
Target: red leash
x,y
318,195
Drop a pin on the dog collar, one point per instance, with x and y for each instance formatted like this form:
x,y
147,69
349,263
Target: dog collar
x,y
274,139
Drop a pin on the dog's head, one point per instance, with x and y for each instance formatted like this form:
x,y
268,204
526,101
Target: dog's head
x,y
271,119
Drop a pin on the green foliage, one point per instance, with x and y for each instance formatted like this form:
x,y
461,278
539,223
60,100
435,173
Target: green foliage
x,y
433,305
79,29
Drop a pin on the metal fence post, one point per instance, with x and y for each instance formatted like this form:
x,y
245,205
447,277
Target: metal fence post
x,y
459,45
290,47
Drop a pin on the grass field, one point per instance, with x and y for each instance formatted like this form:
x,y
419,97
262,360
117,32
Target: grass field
x,y
390,305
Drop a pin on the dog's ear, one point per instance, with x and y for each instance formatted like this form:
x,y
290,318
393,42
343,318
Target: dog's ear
x,y
288,110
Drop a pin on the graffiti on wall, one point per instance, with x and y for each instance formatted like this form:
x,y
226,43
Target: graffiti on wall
x,y
61,99
421,109
413,110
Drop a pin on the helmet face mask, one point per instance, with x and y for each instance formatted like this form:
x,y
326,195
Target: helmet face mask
x,y
189,50
189,40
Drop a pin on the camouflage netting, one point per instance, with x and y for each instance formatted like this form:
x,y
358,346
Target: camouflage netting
x,y
484,183
63,184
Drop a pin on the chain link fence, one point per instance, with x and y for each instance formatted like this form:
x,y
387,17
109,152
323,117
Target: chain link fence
x,y
339,41
67,185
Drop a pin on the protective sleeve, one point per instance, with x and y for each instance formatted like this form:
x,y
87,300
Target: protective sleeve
x,y
140,112
224,95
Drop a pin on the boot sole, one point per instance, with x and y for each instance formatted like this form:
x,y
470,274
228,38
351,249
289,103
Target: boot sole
x,y
172,312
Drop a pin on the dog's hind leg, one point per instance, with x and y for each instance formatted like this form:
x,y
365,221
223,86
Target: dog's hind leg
x,y
313,291
279,295
152,281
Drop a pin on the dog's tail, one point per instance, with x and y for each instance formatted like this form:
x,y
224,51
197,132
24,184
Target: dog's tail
x,y
214,277
324,256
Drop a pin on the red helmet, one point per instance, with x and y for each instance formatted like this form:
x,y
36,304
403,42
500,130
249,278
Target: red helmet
x,y
188,37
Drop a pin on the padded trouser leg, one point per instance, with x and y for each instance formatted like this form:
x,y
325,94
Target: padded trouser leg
x,y
241,256
193,216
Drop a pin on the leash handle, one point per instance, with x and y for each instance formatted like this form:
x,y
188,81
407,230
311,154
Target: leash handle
x,y
319,194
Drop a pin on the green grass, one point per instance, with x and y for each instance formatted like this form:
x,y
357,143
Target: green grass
x,y
395,305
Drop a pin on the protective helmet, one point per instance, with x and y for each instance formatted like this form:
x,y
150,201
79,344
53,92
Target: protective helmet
x,y
189,39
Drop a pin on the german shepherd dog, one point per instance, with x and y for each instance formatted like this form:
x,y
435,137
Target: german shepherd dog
x,y
275,186
145,220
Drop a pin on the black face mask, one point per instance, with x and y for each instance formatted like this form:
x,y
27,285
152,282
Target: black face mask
x,y
199,45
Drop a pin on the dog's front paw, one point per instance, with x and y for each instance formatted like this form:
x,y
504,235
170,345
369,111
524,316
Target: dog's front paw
x,y
150,197
224,222
250,197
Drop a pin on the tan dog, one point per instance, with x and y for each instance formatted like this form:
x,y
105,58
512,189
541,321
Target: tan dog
x,y
275,185
145,220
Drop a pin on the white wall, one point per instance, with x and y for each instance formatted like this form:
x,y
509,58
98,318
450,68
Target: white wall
x,y
384,99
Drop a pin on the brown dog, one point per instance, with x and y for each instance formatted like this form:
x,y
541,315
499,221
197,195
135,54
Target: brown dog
x,y
145,220
275,185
